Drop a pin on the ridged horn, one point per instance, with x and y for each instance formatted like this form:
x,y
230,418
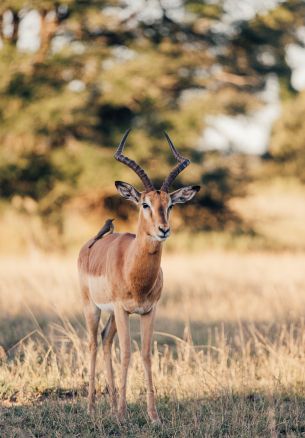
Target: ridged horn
x,y
132,164
182,164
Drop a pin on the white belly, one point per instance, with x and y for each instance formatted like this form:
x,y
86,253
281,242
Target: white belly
x,y
99,292
140,310
109,307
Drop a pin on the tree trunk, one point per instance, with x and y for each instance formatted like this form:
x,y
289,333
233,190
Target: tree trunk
x,y
48,28
15,23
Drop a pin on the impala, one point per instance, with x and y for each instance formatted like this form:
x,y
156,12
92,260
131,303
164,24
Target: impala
x,y
121,274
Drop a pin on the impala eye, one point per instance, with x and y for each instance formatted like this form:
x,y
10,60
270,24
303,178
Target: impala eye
x,y
144,205
170,206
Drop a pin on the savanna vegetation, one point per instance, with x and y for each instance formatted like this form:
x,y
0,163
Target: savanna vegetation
x,y
228,350
228,346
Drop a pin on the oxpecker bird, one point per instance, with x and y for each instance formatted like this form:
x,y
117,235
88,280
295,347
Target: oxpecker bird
x,y
108,227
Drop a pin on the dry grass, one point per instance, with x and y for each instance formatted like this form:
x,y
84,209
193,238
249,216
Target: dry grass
x,y
276,210
229,353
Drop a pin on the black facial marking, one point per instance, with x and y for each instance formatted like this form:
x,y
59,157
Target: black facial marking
x,y
161,213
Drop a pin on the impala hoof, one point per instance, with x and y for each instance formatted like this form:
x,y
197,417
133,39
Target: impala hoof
x,y
91,410
154,419
121,415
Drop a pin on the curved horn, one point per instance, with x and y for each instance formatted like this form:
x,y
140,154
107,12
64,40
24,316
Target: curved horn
x,y
182,164
132,164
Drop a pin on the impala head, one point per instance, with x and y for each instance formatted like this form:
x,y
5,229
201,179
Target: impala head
x,y
155,205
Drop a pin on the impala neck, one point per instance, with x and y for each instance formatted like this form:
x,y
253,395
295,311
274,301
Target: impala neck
x,y
144,261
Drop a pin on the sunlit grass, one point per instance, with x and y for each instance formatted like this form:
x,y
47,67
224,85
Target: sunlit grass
x,y
228,356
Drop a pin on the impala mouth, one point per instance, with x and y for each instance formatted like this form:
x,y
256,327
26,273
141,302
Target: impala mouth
x,y
158,237
163,236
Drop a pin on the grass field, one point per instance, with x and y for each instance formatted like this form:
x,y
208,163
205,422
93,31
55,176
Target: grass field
x,y
229,350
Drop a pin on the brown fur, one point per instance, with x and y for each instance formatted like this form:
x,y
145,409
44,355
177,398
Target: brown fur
x,y
131,263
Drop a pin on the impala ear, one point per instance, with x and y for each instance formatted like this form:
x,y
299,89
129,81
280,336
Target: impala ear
x,y
184,194
128,191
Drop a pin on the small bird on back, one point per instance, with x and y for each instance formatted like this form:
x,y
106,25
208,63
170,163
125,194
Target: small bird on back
x,y
107,228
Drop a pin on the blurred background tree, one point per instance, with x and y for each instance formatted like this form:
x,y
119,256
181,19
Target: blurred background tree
x,y
95,68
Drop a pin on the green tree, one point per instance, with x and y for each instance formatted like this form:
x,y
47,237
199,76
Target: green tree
x,y
62,111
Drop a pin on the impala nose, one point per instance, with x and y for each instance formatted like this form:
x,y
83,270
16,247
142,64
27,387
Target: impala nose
x,y
164,231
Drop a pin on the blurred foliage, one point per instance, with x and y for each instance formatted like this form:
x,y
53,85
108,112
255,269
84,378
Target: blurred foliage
x,y
103,66
288,139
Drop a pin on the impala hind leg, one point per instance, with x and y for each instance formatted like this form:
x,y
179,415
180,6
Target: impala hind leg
x,y
108,335
147,326
122,323
92,315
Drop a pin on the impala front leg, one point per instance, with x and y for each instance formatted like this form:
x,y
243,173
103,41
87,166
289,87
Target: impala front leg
x,y
122,324
92,315
147,326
